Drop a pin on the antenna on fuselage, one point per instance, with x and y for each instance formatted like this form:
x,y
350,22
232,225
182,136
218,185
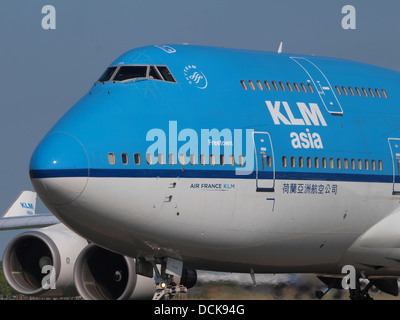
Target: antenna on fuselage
x,y
280,47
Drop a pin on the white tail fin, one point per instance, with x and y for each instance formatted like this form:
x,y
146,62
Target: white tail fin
x,y
24,205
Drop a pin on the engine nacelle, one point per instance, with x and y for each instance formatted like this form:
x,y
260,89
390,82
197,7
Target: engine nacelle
x,y
104,275
27,254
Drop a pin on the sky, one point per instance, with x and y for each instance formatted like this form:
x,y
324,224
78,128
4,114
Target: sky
x,y
45,71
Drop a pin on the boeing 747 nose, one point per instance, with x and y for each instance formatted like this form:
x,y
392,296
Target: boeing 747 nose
x,y
230,160
59,168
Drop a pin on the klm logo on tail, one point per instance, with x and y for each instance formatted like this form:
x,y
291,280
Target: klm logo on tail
x,y
28,206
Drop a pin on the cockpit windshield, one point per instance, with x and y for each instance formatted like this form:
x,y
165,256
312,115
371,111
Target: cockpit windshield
x,y
130,72
107,74
123,73
166,73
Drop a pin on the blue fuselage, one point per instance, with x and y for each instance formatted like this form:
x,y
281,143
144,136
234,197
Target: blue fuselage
x,y
230,127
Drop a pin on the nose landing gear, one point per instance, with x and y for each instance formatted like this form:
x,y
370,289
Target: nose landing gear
x,y
167,278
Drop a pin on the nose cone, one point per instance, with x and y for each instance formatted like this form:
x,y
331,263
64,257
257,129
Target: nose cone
x,y
59,168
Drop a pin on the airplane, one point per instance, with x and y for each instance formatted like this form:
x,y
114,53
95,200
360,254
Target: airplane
x,y
22,214
183,158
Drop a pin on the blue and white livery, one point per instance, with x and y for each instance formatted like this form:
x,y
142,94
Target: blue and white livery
x,y
195,157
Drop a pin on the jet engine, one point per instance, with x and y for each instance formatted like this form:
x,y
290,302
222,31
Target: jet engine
x,y
41,262
104,275
56,262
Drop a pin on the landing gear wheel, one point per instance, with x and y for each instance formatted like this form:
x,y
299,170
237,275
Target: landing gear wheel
x,y
167,282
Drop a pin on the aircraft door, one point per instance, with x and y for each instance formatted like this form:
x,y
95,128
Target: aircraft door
x,y
394,144
264,162
321,84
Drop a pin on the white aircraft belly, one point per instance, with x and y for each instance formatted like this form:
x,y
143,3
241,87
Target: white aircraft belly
x,y
235,225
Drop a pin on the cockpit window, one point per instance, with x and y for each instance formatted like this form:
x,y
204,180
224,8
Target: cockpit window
x,y
130,72
153,73
166,73
123,73
107,74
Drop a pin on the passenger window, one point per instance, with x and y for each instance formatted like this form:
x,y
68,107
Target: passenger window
x,y
111,158
352,91
384,93
149,158
166,74
346,164
241,160
136,158
192,159
378,93
130,72
153,74
309,162
244,85
366,164
289,86
252,86
316,162
353,164
232,160
275,85
296,86
222,159
124,158
260,86
339,163
365,92
106,76
301,162
282,86
344,90
310,87
202,159
212,159
332,163
267,85
324,164
338,90
380,165
284,161
269,161
182,159
359,164
293,162
371,92
160,158
358,91
171,159
303,86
